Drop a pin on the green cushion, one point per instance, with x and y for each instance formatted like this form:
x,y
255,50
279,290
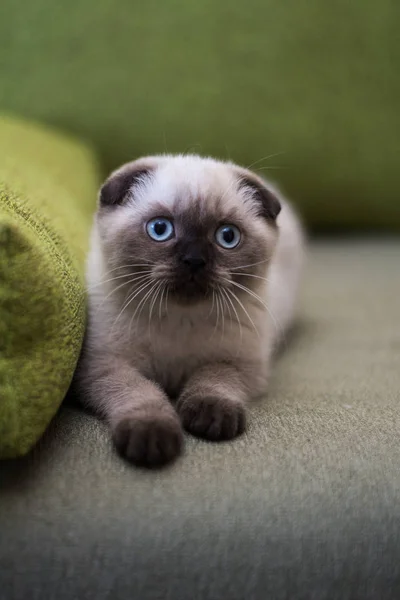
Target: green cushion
x,y
305,506
315,80
47,195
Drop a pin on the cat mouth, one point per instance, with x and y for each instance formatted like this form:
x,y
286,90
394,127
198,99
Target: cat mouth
x,y
190,289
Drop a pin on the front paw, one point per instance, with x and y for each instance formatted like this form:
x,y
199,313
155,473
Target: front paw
x,y
212,417
148,440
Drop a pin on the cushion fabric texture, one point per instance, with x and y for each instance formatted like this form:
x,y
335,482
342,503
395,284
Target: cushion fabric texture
x,y
47,195
315,81
305,506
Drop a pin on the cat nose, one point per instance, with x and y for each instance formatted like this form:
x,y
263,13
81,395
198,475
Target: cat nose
x,y
194,261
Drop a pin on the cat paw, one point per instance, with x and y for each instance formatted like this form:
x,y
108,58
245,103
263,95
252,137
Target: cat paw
x,y
148,441
212,418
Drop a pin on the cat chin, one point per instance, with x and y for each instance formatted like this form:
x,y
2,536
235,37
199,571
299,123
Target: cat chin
x,y
190,293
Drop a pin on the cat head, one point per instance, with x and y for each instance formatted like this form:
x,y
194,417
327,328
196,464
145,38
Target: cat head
x,y
187,223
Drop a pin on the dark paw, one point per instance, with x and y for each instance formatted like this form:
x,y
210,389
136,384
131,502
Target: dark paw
x,y
149,440
212,418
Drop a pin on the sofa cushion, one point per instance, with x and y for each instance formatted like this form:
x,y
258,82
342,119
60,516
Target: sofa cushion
x,y
47,195
304,506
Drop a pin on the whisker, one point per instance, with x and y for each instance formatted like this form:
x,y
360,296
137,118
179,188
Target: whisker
x,y
134,280
256,162
146,264
154,300
221,298
166,301
271,168
161,299
223,293
251,275
228,189
155,294
144,300
165,142
222,316
218,309
235,181
212,304
236,313
258,277
188,149
142,285
92,287
134,294
217,314
251,265
141,306
244,310
261,301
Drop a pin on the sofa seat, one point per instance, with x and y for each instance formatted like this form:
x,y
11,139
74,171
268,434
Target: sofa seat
x,y
306,505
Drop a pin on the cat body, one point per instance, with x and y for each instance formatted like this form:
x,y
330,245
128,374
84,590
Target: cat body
x,y
192,276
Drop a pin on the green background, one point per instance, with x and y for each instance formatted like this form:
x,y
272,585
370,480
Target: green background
x,y
316,81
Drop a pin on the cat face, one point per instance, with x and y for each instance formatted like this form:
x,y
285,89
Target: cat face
x,y
188,224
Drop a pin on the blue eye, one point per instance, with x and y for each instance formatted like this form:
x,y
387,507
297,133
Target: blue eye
x,y
228,236
160,229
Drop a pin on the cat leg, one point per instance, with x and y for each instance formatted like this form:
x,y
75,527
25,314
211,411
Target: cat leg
x,y
144,425
212,403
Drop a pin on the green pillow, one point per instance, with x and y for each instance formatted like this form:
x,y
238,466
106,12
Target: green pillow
x,y
47,196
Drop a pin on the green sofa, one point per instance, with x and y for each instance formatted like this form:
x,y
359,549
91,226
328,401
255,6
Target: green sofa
x,y
306,505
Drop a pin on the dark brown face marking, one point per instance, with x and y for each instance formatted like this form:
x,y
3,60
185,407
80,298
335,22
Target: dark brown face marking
x,y
114,191
270,207
194,256
194,260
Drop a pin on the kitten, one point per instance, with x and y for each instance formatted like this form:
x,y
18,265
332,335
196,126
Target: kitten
x,y
192,277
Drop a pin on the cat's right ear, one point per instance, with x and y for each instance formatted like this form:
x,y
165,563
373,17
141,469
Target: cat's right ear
x,y
121,184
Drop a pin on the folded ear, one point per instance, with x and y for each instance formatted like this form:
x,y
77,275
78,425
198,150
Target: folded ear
x,y
121,183
269,205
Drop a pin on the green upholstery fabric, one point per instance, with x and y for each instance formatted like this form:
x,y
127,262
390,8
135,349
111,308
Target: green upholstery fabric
x,y
47,195
306,506
315,80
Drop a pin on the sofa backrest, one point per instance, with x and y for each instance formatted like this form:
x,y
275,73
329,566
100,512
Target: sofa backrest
x,y
312,85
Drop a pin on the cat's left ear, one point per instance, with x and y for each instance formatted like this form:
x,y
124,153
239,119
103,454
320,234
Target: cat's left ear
x,y
269,204
122,183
